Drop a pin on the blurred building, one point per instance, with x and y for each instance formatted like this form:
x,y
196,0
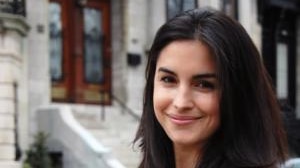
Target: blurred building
x,y
90,53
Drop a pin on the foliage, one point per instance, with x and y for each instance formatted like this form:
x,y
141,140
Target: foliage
x,y
37,155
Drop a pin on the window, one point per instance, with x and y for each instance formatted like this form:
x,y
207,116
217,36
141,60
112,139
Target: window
x,y
176,6
230,7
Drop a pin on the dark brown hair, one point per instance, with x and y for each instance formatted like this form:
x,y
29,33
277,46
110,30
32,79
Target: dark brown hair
x,y
251,132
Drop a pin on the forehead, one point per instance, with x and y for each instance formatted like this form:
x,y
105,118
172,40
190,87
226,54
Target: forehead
x,y
187,55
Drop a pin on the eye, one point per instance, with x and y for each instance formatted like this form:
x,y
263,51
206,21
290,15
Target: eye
x,y
168,79
204,85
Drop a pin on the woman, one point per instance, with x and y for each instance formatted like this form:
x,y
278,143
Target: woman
x,y
208,101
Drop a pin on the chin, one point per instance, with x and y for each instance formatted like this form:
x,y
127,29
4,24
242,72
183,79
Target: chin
x,y
183,140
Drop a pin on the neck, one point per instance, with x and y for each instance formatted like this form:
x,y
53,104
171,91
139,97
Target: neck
x,y
186,157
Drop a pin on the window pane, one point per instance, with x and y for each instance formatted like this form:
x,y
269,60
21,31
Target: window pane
x,y
189,4
173,7
93,65
176,6
282,71
230,8
55,48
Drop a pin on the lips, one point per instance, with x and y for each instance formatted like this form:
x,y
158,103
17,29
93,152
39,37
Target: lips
x,y
183,120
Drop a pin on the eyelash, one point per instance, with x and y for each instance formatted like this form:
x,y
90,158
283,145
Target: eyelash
x,y
168,79
201,84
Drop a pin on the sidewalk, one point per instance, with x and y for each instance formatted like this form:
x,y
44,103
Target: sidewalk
x,y
116,132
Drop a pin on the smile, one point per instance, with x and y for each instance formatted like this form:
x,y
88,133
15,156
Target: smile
x,y
183,120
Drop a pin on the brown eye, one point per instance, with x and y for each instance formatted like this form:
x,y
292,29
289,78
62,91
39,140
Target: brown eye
x,y
168,79
204,85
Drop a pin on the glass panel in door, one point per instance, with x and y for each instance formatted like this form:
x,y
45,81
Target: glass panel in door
x,y
93,46
92,68
59,90
55,46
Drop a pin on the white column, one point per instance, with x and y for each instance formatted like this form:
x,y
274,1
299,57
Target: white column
x,y
13,31
157,16
137,23
247,11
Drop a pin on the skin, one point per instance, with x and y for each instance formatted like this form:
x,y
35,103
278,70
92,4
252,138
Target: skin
x,y
186,98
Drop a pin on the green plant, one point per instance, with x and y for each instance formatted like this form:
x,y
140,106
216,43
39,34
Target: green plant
x,y
37,155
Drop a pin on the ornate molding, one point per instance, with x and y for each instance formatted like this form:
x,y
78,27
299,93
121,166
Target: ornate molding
x,y
13,22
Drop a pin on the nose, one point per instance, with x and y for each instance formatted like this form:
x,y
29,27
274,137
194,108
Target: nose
x,y
183,99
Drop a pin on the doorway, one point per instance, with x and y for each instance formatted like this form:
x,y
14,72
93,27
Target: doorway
x,y
80,51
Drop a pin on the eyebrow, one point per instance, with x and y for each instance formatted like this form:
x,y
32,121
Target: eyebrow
x,y
204,75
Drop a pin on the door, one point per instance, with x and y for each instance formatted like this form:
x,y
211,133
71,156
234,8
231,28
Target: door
x,y
80,51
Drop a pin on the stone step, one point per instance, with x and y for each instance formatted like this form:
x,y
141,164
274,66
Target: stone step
x,y
116,132
10,164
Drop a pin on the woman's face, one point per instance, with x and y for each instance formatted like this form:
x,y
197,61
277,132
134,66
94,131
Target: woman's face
x,y
186,93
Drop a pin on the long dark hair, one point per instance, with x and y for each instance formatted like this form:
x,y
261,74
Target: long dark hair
x,y
251,132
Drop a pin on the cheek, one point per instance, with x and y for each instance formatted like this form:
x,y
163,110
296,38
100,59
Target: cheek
x,y
213,110
161,99
209,104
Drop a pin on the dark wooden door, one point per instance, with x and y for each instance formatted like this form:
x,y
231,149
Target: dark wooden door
x,y
80,54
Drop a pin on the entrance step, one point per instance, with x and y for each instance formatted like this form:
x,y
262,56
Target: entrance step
x,y
116,132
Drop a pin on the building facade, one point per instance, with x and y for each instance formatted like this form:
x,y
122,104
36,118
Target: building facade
x,y
84,53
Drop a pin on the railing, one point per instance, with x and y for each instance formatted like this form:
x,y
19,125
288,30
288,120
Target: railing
x,y
125,108
13,7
